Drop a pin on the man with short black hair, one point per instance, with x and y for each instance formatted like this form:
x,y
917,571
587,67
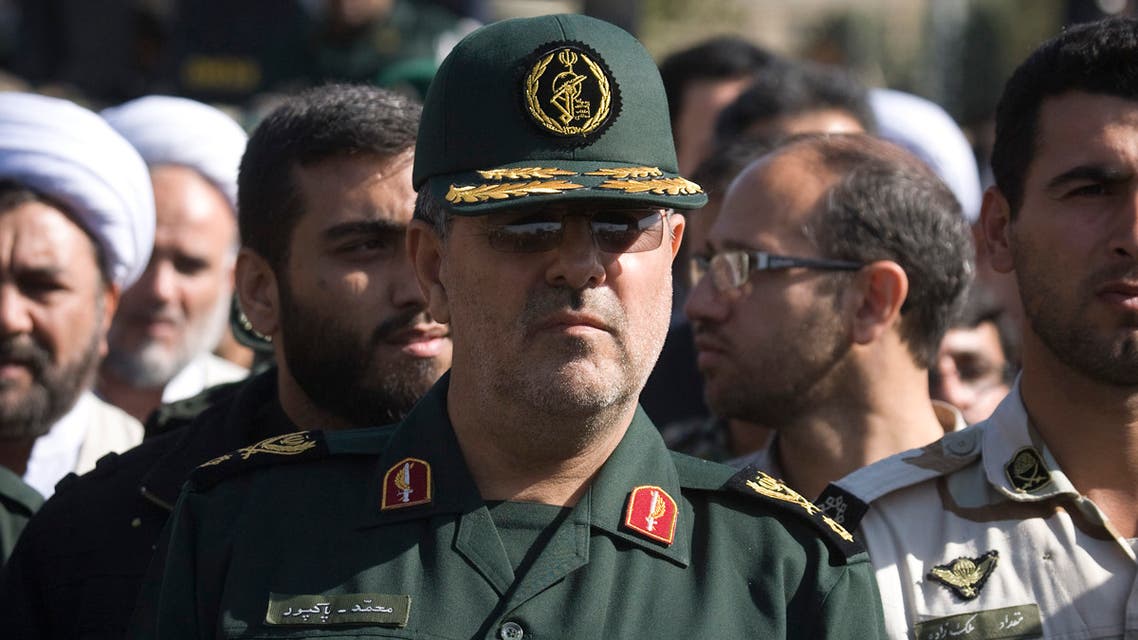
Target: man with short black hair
x,y
1024,525
803,97
700,81
325,199
526,493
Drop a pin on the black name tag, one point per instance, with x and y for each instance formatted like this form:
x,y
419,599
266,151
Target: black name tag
x,y
345,608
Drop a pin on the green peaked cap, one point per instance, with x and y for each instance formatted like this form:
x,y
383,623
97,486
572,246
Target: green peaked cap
x,y
548,109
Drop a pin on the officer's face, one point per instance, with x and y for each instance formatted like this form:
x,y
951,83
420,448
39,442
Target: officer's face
x,y
772,348
1074,243
355,331
570,330
53,310
179,307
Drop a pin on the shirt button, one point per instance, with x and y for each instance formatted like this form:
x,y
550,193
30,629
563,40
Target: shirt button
x,y
963,446
511,631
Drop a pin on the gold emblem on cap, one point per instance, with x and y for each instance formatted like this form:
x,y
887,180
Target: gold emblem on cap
x,y
568,110
502,191
660,187
524,173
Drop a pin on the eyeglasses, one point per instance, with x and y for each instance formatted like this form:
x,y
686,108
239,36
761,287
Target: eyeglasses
x,y
623,230
731,269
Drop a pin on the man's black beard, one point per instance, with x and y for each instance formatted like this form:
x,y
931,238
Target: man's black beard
x,y
338,372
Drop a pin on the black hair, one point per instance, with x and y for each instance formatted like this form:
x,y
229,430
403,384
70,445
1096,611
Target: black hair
x,y
795,88
888,205
1095,58
719,58
331,121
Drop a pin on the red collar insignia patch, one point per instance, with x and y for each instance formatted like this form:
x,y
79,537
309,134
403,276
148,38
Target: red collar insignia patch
x,y
407,484
652,513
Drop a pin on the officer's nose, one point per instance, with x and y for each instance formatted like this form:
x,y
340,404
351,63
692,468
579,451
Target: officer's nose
x,y
579,263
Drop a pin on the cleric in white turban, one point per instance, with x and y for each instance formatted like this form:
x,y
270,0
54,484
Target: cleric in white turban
x,y
925,129
72,193
162,339
169,130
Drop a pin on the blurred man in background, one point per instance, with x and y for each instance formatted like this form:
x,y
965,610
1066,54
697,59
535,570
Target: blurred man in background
x,y
827,282
168,322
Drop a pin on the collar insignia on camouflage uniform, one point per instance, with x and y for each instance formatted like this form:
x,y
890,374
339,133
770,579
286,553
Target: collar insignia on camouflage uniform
x,y
965,576
652,513
406,484
570,92
1026,471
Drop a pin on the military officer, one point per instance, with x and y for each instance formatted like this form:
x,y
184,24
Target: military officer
x,y
1025,525
526,495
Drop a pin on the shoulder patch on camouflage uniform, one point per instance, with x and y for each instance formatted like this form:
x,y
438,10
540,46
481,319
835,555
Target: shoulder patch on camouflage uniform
x,y
290,447
753,482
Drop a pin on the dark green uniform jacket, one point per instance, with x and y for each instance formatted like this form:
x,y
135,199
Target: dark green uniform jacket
x,y
347,535
77,571
18,502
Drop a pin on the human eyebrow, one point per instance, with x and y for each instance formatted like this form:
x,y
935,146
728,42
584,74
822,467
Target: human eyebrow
x,y
363,227
1089,173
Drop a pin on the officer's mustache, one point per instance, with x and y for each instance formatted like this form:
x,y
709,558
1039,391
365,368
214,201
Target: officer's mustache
x,y
597,302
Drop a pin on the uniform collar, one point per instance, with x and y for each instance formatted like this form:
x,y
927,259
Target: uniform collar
x,y
1016,460
641,459
426,434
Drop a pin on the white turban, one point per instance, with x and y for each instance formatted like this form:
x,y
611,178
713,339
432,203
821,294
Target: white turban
x,y
71,155
167,130
932,135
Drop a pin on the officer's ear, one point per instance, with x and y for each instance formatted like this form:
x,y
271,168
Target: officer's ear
x,y
677,223
425,248
995,228
257,291
880,289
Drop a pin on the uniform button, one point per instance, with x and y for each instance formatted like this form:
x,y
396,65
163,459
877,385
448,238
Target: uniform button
x,y
962,446
511,631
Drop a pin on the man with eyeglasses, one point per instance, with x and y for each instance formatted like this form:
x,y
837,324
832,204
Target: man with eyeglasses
x,y
526,494
822,293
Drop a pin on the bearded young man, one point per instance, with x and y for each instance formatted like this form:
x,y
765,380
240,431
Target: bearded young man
x,y
325,198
